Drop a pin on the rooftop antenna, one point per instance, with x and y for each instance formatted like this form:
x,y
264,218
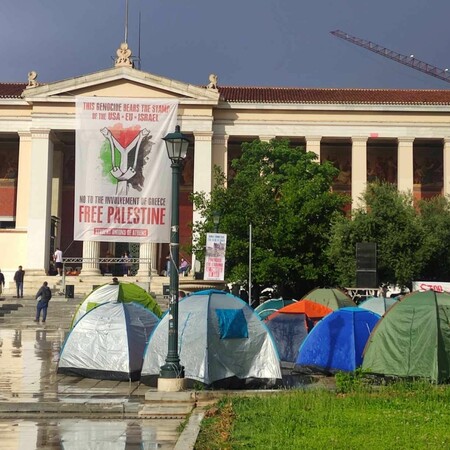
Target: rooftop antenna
x,y
139,43
126,22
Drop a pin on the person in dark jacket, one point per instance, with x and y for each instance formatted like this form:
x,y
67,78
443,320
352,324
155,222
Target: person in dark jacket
x,y
44,294
18,278
2,282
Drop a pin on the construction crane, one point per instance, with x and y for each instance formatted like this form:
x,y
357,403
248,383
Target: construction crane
x,y
410,61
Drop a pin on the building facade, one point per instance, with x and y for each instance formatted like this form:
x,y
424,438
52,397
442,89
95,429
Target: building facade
x,y
401,136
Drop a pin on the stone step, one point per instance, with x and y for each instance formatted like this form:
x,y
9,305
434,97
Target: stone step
x,y
168,397
20,308
84,285
166,410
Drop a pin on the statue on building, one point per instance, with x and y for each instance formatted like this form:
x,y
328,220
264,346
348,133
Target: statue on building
x,y
212,82
123,56
32,82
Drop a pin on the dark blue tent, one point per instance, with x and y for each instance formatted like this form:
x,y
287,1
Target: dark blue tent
x,y
337,342
289,331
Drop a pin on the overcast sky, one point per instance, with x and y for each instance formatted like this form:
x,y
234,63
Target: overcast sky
x,y
244,42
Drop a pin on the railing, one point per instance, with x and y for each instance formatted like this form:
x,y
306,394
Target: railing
x,y
360,294
78,262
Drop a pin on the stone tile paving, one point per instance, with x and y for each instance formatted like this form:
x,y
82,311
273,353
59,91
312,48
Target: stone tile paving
x,y
29,386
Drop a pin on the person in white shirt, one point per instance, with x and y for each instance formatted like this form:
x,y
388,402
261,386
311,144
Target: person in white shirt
x,y
58,258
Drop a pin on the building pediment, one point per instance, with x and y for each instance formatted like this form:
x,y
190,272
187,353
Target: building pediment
x,y
121,82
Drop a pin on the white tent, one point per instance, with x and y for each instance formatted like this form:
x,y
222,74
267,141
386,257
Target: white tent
x,y
108,342
219,337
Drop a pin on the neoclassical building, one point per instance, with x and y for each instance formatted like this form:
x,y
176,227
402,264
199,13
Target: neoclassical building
x,y
402,136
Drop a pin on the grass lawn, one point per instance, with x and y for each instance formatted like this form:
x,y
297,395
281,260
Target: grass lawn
x,y
399,416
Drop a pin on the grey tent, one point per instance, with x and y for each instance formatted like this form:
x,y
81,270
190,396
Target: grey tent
x,y
219,337
108,342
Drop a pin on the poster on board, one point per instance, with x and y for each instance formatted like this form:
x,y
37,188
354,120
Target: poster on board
x,y
216,245
122,171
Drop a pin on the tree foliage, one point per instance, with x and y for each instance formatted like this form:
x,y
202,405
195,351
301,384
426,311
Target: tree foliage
x,y
435,215
410,237
285,195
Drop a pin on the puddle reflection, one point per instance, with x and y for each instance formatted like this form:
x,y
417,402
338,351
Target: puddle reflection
x,y
28,357
69,434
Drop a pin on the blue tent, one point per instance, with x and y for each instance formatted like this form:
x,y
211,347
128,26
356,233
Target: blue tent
x,y
337,342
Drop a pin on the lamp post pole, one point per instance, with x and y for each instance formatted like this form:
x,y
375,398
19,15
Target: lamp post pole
x,y
172,370
172,367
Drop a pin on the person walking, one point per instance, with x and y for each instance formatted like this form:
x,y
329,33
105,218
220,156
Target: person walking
x,y
127,270
43,296
58,258
18,278
168,264
2,282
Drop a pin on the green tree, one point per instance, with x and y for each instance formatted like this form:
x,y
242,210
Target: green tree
x,y
435,216
390,219
285,195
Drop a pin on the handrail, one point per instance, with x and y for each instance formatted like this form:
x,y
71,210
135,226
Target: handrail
x,y
81,260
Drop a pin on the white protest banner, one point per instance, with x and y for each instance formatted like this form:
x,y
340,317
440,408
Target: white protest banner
x,y
437,286
216,245
122,171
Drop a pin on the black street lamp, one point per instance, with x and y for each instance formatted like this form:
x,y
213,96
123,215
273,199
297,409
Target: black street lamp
x,y
177,144
216,220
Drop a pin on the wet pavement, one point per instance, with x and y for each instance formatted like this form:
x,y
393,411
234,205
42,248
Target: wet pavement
x,y
85,434
40,409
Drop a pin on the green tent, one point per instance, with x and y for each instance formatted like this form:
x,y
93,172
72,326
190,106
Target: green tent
x,y
331,297
413,339
120,292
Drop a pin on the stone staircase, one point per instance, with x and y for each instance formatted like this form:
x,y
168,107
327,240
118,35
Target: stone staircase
x,y
83,285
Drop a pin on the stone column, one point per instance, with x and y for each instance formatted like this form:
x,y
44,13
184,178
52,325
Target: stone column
x,y
446,168
202,170
91,250
39,208
57,184
405,170
23,180
220,152
147,263
313,145
359,169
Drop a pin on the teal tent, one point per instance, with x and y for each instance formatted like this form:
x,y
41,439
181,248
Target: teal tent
x,y
265,309
378,305
413,339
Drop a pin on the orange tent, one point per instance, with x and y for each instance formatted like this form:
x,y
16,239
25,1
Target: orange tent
x,y
314,311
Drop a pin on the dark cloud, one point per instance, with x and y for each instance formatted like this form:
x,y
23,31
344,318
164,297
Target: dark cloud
x,y
266,42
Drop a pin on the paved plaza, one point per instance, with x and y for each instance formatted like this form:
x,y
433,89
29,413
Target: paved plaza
x,y
40,409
